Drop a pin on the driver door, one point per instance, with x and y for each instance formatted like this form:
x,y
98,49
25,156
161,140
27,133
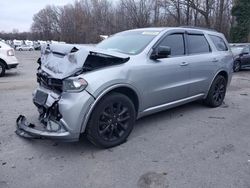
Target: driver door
x,y
168,81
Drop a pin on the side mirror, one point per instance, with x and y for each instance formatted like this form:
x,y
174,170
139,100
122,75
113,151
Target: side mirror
x,y
161,52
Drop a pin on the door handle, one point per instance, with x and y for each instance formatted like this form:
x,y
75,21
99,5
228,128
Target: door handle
x,y
215,60
184,64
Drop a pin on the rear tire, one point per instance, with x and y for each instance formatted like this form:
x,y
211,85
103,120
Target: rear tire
x,y
111,121
237,66
217,92
2,69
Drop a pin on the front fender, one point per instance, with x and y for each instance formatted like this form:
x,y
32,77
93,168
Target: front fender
x,y
100,95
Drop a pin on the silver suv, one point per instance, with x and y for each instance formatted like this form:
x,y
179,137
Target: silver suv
x,y
102,90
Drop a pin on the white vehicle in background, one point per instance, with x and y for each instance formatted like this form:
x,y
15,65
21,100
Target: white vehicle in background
x,y
103,37
41,42
7,58
28,43
17,43
57,42
25,48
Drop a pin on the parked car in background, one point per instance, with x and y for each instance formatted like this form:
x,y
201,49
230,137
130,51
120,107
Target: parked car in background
x,y
241,57
102,90
37,46
7,58
16,43
24,48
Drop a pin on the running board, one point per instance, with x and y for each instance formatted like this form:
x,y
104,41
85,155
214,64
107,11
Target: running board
x,y
166,106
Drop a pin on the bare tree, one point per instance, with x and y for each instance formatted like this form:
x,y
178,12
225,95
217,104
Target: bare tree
x,y
46,23
138,12
84,20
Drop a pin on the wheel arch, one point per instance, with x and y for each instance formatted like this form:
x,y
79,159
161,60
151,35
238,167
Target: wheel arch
x,y
124,89
222,73
4,62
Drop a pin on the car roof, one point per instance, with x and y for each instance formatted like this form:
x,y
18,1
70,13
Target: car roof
x,y
187,28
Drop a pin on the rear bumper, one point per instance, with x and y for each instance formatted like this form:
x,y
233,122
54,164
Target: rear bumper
x,y
11,62
11,66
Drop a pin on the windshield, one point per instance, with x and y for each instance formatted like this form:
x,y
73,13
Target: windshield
x,y
129,42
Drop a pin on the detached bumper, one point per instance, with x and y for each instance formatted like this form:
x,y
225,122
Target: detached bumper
x,y
61,116
28,130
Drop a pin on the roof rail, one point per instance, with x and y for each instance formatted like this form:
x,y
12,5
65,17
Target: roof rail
x,y
195,27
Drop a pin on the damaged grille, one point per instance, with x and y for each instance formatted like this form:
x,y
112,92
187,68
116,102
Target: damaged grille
x,y
46,81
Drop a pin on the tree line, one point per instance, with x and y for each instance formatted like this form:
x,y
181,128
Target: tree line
x,y
84,20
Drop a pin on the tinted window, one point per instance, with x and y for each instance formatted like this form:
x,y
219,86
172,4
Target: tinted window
x,y
176,43
219,43
198,44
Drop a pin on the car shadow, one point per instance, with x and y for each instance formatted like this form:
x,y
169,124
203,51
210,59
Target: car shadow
x,y
166,115
9,74
84,146
243,70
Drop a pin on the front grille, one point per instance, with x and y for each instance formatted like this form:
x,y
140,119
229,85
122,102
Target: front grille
x,y
48,82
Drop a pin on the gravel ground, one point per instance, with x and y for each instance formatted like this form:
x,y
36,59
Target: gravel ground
x,y
186,147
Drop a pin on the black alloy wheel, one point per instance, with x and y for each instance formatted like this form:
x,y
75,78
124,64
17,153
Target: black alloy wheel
x,y
237,66
217,92
111,121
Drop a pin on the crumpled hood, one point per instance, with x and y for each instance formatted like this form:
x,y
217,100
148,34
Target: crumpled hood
x,y
63,60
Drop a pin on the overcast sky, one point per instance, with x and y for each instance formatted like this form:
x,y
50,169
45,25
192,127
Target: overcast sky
x,y
18,14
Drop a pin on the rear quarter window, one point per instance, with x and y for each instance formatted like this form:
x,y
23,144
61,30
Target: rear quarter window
x,y
197,44
219,43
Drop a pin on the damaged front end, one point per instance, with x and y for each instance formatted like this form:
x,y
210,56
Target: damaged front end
x,y
51,126
61,98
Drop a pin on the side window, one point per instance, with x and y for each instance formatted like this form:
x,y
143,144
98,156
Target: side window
x,y
219,43
176,43
246,50
197,44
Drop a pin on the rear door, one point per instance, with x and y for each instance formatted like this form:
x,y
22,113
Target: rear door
x,y
201,62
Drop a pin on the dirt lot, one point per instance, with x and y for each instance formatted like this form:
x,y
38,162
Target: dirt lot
x,y
187,147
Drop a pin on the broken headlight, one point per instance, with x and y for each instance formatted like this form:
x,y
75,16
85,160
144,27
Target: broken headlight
x,y
74,85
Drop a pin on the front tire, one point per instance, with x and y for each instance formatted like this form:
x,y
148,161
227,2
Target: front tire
x,y
111,121
217,92
2,69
